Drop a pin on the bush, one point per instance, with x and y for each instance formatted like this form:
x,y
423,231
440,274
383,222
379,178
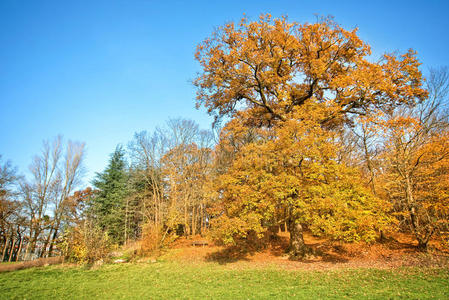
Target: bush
x,y
86,243
155,238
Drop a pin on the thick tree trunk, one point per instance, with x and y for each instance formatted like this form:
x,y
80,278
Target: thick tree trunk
x,y
20,248
422,244
422,239
201,219
382,236
185,218
47,241
11,251
193,220
53,240
298,248
27,249
4,248
34,238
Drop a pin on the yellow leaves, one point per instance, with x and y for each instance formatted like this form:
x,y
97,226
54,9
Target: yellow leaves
x,y
403,123
228,230
343,210
292,167
415,162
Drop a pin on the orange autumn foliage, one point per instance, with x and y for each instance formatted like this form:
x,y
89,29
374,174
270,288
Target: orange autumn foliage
x,y
272,66
286,87
417,181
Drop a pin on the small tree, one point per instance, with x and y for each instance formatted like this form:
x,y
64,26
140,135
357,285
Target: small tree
x,y
417,160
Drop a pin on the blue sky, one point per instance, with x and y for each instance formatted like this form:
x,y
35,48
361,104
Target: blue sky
x,y
98,71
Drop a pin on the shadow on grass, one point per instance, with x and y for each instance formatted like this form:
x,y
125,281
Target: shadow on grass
x,y
277,246
229,255
246,248
322,251
407,247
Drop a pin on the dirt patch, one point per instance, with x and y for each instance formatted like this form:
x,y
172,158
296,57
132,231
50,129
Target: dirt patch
x,y
30,264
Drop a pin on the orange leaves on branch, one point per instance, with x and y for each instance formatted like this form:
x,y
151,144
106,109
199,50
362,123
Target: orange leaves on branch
x,y
271,66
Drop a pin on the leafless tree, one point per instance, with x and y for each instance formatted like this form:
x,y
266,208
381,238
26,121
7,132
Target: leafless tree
x,y
55,174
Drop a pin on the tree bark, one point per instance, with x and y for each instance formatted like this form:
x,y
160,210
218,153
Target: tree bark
x,y
298,248
53,239
34,238
422,240
20,248
186,224
47,241
27,249
11,251
4,248
422,245
201,219
193,221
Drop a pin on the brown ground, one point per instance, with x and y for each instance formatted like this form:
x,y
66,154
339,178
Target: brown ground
x,y
398,251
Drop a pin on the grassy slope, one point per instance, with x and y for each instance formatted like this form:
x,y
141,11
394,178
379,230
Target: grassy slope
x,y
210,280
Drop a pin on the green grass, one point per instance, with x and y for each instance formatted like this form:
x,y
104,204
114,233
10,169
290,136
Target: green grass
x,y
166,280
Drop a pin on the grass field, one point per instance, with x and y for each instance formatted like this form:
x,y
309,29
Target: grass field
x,y
175,280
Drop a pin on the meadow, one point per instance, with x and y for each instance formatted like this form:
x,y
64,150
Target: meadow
x,y
211,280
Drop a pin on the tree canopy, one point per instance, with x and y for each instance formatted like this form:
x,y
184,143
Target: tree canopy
x,y
271,66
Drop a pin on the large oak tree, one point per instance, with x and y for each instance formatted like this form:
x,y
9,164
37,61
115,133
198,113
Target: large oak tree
x,y
294,82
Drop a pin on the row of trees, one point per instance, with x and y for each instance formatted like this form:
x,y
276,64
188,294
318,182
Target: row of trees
x,y
34,210
156,189
160,190
316,137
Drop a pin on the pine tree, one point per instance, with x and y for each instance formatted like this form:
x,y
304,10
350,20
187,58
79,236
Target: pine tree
x,y
109,205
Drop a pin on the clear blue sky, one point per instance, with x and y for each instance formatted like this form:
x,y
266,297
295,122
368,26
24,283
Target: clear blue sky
x,y
98,71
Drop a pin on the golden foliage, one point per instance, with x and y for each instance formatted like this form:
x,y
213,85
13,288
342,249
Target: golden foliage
x,y
272,66
289,174
86,243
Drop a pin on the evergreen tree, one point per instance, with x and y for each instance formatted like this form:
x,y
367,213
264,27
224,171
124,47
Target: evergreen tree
x,y
109,205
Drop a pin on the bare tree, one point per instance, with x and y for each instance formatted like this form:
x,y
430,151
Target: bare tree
x,y
38,191
69,178
55,174
9,209
146,150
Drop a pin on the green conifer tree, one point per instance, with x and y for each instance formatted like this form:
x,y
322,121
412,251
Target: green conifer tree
x,y
109,203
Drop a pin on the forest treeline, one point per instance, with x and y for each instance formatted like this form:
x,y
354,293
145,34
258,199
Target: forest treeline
x,y
310,133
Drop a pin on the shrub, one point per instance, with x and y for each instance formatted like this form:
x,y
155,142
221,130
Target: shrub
x,y
86,243
155,238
